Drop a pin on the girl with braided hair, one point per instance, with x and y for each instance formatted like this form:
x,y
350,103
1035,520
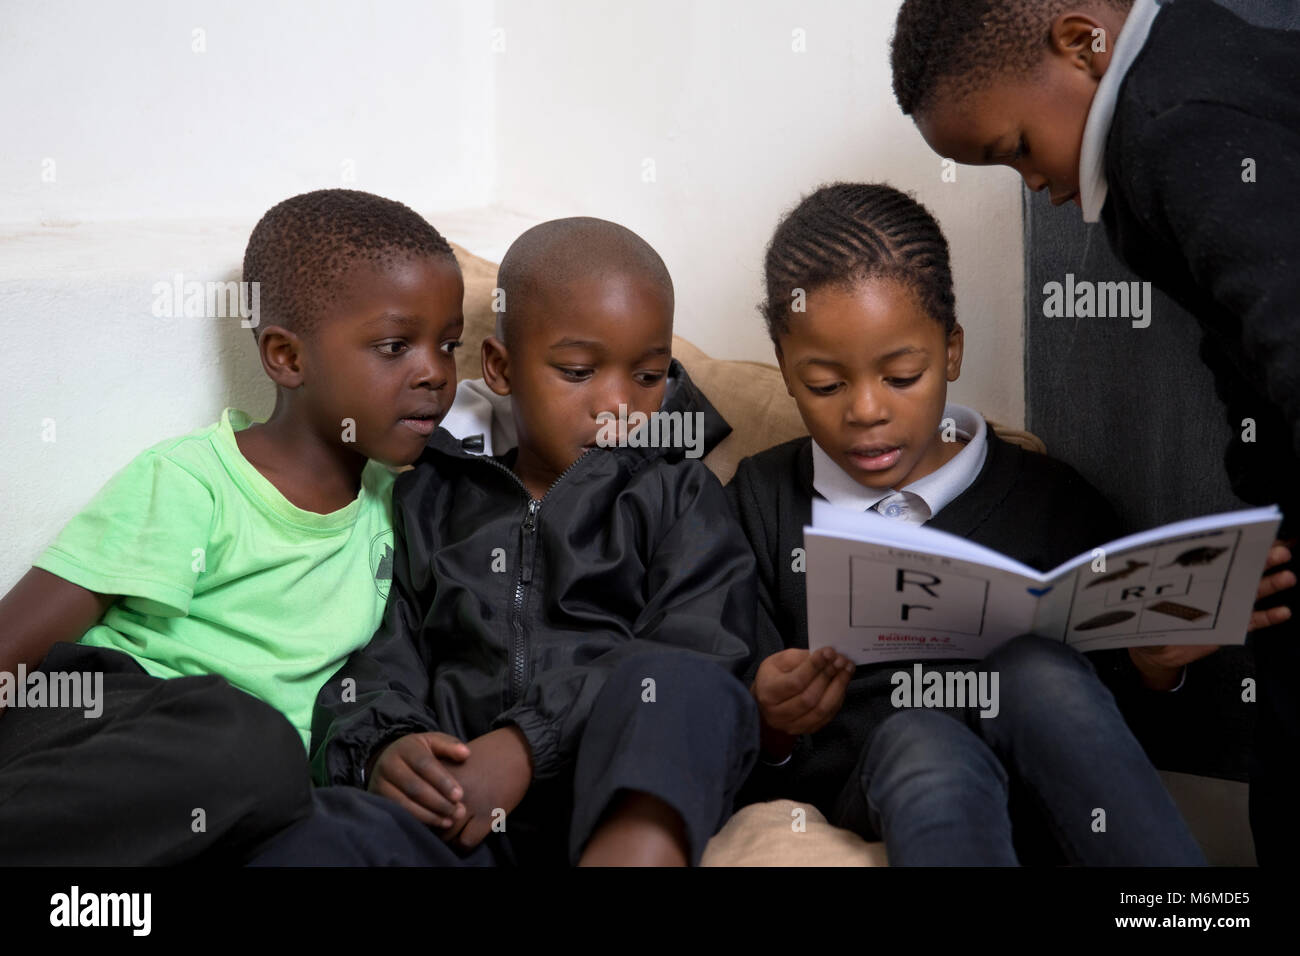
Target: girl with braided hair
x,y
861,312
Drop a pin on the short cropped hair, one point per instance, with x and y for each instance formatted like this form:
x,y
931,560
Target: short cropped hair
x,y
964,45
848,232
300,250
552,255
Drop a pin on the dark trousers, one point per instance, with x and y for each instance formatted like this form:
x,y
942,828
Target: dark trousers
x,y
936,785
1274,775
347,826
691,747
182,770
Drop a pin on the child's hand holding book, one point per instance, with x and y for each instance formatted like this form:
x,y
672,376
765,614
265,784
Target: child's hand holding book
x,y
1161,666
798,692
1271,584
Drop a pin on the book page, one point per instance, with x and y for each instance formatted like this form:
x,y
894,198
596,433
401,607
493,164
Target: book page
x,y
880,530
875,602
880,590
1192,589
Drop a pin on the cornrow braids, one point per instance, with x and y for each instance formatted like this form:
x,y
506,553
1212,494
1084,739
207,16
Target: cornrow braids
x,y
301,248
963,45
847,232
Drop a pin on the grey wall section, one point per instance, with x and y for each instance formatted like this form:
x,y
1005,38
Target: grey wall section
x,y
1275,14
1133,409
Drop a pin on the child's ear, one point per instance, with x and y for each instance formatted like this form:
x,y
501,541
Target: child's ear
x,y
496,365
281,353
1083,40
956,345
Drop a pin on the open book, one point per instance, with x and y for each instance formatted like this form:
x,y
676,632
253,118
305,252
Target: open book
x,y
880,590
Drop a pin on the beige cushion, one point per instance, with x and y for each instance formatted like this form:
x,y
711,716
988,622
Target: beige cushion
x,y
765,834
752,397
480,321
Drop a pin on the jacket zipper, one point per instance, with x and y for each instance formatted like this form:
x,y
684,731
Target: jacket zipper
x,y
527,545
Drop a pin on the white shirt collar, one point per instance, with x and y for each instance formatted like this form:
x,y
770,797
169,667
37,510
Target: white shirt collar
x,y
1093,187
477,411
934,491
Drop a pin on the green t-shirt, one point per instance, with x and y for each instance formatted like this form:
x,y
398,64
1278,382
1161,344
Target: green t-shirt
x,y
219,574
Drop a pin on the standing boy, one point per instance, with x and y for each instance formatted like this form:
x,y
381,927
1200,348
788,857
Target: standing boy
x,y
1177,124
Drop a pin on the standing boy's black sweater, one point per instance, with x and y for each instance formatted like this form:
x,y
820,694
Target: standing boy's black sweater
x,y
1207,93
1033,508
507,610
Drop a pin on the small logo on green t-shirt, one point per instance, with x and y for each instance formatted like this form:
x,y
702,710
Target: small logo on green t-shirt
x,y
381,561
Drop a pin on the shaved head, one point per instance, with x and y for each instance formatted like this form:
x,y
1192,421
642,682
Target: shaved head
x,y
551,257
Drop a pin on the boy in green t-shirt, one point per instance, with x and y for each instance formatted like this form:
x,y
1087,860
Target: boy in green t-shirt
x,y
218,580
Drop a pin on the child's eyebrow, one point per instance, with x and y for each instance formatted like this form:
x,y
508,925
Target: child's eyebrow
x,y
899,353
831,363
399,318
579,344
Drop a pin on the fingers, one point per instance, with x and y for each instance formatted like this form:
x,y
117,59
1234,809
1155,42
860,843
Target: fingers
x,y
816,704
1269,617
1280,553
424,762
392,790
447,746
452,832
1172,656
472,834
807,714
410,773
792,674
417,787
834,698
1271,584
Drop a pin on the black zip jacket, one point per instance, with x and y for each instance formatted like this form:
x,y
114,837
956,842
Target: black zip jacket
x,y
504,609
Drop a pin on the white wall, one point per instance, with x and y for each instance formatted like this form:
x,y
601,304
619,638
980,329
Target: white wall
x,y
163,159
139,125
738,127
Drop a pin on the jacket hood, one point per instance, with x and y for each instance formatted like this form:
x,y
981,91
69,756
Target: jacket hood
x,y
480,422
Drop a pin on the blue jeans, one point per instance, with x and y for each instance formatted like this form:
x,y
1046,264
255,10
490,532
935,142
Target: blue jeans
x,y
934,783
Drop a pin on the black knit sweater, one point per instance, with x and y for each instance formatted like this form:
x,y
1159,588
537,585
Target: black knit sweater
x,y
1028,506
1210,104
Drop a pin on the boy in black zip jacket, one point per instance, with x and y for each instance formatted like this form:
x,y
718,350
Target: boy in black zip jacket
x,y
557,664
